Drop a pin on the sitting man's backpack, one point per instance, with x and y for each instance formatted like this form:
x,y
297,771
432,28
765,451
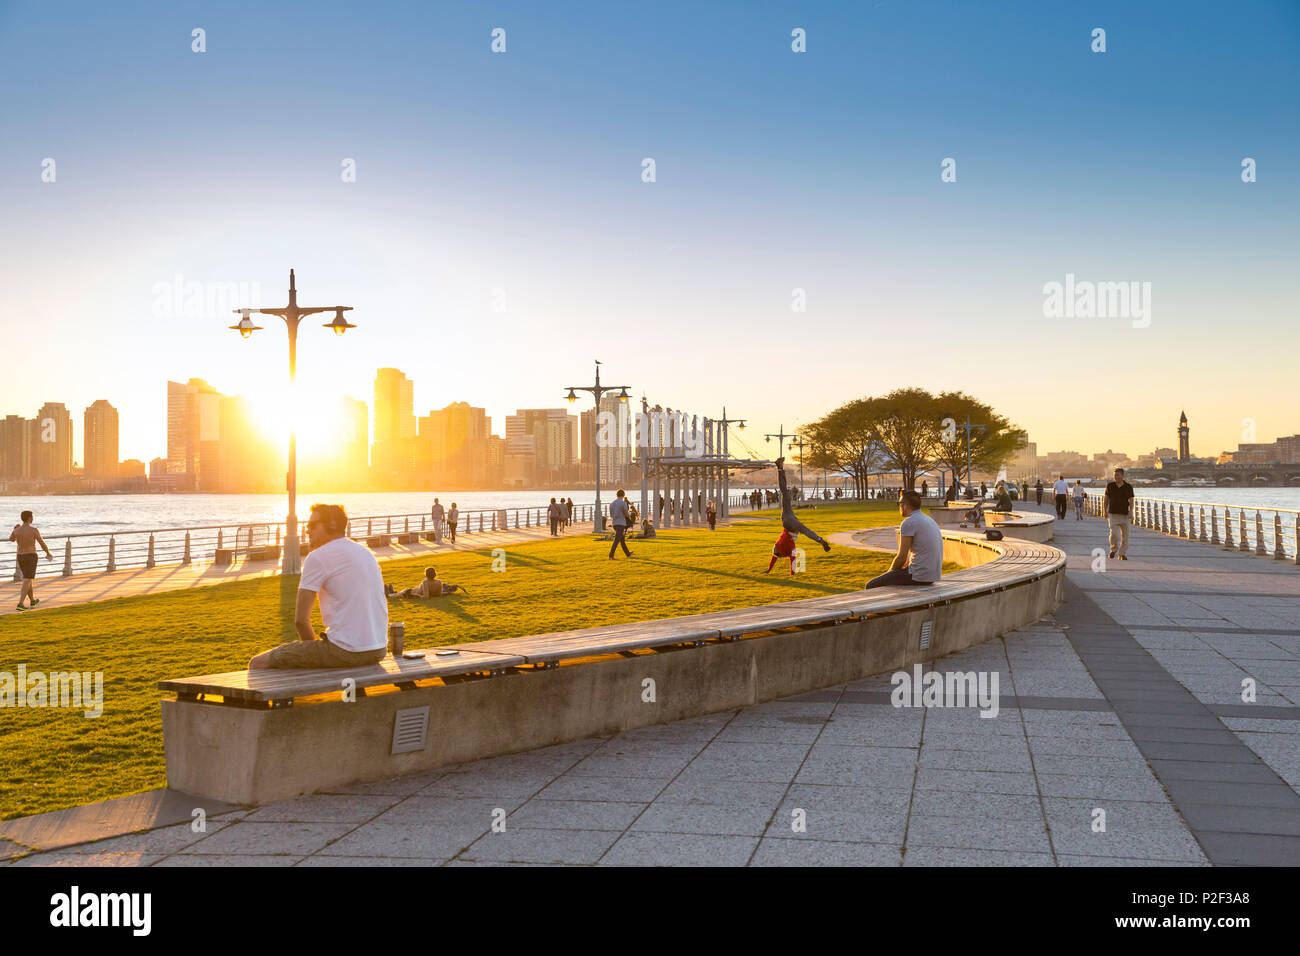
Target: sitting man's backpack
x,y
993,534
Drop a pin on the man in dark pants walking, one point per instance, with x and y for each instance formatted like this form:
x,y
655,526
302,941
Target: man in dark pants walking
x,y
1039,489
1062,491
618,517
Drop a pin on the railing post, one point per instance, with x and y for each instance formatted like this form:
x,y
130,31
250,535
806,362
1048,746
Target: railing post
x,y
112,553
388,528
277,536
1243,537
494,520
149,561
185,558
67,558
1182,522
1297,539
368,527
406,528
1279,551
1227,531
480,521
1202,538
218,539
1214,526
1259,534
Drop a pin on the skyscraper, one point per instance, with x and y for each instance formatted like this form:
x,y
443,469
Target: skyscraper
x,y
393,457
193,418
16,448
453,444
52,448
99,438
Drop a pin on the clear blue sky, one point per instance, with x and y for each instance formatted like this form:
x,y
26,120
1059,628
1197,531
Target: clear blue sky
x,y
775,170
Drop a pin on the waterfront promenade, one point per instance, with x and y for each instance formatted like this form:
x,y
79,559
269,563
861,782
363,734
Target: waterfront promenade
x,y
57,591
1127,701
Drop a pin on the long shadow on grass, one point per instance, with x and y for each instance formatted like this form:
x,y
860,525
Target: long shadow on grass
x,y
801,585
437,604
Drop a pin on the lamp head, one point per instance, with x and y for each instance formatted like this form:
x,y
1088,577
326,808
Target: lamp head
x,y
571,397
622,396
340,324
245,327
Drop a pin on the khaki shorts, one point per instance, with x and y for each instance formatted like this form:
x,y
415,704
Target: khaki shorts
x,y
321,653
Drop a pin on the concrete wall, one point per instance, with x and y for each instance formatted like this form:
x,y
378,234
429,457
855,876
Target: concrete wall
x,y
255,756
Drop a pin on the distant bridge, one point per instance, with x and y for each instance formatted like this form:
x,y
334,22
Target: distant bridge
x,y
1235,474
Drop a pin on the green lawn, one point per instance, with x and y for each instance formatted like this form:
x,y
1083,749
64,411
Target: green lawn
x,y
52,758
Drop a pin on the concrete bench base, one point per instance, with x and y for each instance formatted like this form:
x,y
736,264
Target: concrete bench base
x,y
259,755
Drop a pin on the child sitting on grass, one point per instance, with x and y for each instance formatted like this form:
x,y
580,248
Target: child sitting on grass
x,y
430,587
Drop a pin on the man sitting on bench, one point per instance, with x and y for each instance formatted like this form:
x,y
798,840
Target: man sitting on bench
x,y
920,540
430,587
347,578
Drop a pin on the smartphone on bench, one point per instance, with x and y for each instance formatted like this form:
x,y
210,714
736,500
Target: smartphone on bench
x,y
412,655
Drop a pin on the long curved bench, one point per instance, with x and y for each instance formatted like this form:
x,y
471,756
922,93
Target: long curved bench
x,y
1028,525
254,737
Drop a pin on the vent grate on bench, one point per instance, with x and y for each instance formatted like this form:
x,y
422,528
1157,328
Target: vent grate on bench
x,y
410,730
926,628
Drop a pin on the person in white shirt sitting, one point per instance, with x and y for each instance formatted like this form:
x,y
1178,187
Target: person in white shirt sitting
x,y
346,578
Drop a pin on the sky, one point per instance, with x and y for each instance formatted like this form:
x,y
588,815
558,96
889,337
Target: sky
x,y
499,235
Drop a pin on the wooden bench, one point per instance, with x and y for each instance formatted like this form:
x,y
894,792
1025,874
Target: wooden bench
x,y
226,556
379,541
236,736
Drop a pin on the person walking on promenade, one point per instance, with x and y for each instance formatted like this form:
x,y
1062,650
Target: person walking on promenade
x,y
1038,488
28,538
618,518
920,547
1118,502
1061,489
711,513
347,578
553,516
984,491
439,512
788,521
568,511
453,516
1079,496
925,489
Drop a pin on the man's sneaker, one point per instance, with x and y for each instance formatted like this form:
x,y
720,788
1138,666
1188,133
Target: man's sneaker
x,y
35,601
826,546
21,608
1112,554
1123,557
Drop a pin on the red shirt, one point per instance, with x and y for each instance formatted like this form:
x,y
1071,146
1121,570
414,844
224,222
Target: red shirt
x,y
784,545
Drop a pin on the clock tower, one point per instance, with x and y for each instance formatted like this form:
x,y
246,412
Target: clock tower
x,y
1183,453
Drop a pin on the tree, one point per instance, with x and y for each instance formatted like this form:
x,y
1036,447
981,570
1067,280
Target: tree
x,y
846,440
990,447
907,425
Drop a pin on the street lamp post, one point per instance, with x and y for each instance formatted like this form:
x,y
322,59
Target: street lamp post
x,y
724,421
780,437
798,441
597,390
969,476
292,315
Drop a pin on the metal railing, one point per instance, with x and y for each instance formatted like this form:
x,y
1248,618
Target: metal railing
x,y
1266,532
99,551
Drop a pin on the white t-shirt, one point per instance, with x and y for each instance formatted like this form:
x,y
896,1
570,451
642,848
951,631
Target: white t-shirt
x,y
1062,487
1079,492
926,561
347,579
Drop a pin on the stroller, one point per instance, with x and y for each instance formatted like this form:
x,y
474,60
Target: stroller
x,y
974,516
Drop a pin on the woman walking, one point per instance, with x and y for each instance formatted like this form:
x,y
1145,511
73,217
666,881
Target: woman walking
x,y
1078,499
453,516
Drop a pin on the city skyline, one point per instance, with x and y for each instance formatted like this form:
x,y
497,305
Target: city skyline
x,y
498,218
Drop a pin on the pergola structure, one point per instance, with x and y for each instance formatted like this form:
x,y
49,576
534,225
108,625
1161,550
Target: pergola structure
x,y
685,461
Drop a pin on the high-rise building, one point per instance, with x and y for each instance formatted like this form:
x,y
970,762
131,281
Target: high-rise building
x,y
555,441
99,441
193,420
453,445
354,450
242,459
393,458
614,438
52,447
16,448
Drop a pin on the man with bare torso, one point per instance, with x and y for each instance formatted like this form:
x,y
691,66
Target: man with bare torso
x,y
28,538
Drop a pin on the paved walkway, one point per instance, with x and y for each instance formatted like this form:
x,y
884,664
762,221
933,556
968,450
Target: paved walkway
x,y
1125,703
57,591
